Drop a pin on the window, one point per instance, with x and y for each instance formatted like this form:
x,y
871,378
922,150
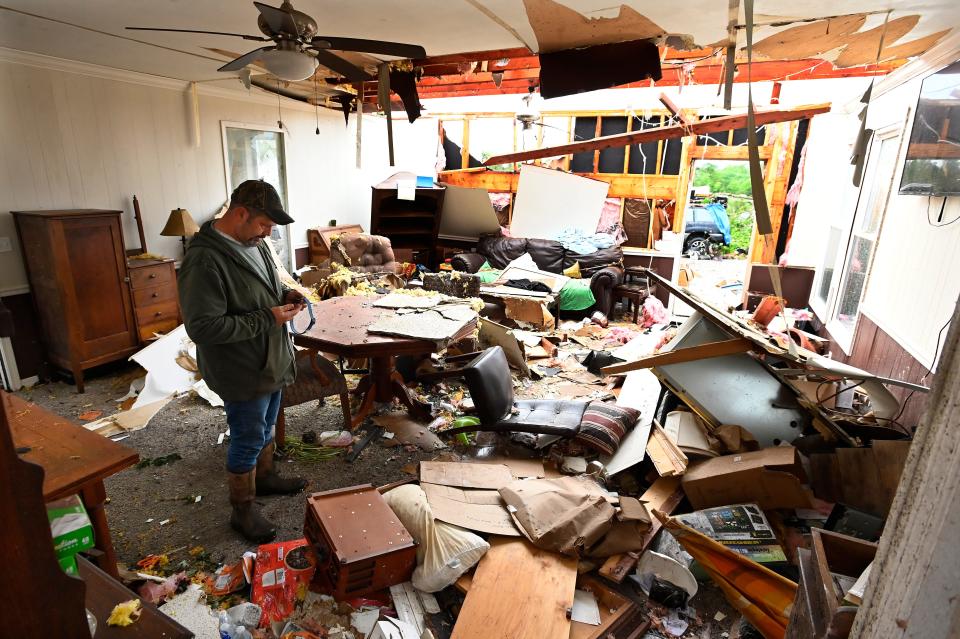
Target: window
x,y
255,153
858,257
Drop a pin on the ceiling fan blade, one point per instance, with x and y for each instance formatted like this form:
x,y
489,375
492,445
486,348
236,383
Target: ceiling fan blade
x,y
238,35
244,60
347,69
278,20
372,46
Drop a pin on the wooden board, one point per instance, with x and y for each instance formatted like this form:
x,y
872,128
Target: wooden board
x,y
613,606
669,460
518,592
713,125
691,353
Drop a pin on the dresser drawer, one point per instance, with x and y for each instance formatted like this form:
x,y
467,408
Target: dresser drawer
x,y
154,295
148,331
149,276
165,311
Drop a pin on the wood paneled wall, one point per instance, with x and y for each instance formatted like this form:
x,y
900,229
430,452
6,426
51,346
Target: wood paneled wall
x,y
877,352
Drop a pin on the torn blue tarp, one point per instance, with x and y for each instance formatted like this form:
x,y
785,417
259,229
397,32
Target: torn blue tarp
x,y
722,220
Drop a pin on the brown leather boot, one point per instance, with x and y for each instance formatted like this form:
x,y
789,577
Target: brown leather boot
x,y
269,482
245,518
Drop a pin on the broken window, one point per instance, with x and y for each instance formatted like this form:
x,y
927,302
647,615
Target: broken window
x,y
257,153
863,239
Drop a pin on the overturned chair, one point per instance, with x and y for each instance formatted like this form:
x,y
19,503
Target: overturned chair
x,y
491,386
317,378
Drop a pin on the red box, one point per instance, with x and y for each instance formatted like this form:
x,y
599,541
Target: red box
x,y
360,545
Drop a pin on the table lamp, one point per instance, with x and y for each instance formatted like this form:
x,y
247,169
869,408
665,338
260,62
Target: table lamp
x,y
180,224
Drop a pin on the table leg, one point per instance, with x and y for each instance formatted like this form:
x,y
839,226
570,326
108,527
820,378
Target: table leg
x,y
280,434
381,374
417,408
94,497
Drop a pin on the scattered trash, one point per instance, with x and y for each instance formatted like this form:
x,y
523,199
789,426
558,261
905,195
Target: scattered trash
x,y
125,614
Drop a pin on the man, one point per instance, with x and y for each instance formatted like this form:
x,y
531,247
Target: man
x,y
235,309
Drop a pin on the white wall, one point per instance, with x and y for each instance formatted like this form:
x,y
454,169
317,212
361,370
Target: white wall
x,y
80,136
915,278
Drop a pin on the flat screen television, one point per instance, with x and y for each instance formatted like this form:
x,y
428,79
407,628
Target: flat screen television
x,y
932,166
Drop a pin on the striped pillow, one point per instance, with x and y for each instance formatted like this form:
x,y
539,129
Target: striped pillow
x,y
604,425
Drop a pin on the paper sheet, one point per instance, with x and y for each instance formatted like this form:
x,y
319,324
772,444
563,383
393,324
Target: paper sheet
x,y
585,608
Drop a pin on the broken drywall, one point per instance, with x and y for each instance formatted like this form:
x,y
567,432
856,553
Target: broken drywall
x,y
558,27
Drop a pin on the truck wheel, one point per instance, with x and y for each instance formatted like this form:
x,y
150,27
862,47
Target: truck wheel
x,y
698,248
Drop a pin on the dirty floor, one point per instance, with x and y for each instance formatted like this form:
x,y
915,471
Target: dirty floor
x,y
189,427
141,498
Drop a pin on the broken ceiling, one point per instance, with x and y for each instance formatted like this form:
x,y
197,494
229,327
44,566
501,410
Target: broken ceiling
x,y
797,37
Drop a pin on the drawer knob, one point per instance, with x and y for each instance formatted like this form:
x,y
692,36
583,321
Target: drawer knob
x,y
155,295
153,276
158,314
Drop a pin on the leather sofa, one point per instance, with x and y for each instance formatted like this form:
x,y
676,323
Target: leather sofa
x,y
603,267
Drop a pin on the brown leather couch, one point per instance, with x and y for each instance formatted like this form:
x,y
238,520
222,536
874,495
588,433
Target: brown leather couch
x,y
603,267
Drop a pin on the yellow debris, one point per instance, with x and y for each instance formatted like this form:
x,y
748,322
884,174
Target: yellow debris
x,y
125,613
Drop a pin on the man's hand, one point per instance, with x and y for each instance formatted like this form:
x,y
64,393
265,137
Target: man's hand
x,y
296,298
285,313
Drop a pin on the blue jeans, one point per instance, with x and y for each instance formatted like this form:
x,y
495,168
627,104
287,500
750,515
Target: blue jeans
x,y
251,428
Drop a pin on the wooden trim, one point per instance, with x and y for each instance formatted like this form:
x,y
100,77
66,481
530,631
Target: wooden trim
x,y
465,149
596,154
679,356
626,150
713,125
630,185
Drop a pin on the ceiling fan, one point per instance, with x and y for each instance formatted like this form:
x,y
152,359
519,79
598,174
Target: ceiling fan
x,y
298,50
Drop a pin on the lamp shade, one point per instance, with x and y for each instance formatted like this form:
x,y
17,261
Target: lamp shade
x,y
180,224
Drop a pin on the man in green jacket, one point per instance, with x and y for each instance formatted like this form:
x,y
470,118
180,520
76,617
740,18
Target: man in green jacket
x,y
235,309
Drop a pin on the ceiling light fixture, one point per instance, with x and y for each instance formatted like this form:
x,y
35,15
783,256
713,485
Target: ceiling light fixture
x,y
289,64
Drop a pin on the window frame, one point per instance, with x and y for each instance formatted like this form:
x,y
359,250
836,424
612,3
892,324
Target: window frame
x,y
283,230
842,334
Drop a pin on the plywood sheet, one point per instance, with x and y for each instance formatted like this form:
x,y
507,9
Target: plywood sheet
x,y
518,592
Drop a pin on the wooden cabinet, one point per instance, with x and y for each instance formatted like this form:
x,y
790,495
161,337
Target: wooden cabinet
x,y
410,224
93,307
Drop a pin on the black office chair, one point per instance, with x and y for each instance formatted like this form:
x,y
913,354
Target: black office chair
x,y
491,387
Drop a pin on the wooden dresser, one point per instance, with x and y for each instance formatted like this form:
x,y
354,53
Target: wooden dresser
x,y
94,305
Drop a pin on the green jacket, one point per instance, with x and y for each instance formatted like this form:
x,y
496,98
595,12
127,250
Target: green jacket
x,y
241,352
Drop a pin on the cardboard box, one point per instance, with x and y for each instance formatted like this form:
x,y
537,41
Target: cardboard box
x,y
71,529
772,478
742,528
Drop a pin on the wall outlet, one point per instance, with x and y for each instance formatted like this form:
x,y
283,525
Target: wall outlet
x,y
5,245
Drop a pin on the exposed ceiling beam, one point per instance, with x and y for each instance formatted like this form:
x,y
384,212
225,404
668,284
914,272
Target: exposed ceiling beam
x,y
713,125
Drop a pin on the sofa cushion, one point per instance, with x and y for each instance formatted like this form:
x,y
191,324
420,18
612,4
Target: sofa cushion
x,y
500,251
590,263
547,254
604,425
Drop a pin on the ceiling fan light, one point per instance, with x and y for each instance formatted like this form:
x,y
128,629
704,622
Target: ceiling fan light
x,y
289,65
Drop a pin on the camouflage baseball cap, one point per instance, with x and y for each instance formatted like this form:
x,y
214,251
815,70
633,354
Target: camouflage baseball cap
x,y
260,197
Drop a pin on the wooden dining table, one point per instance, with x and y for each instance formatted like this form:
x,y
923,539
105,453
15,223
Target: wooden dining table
x,y
341,329
74,461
